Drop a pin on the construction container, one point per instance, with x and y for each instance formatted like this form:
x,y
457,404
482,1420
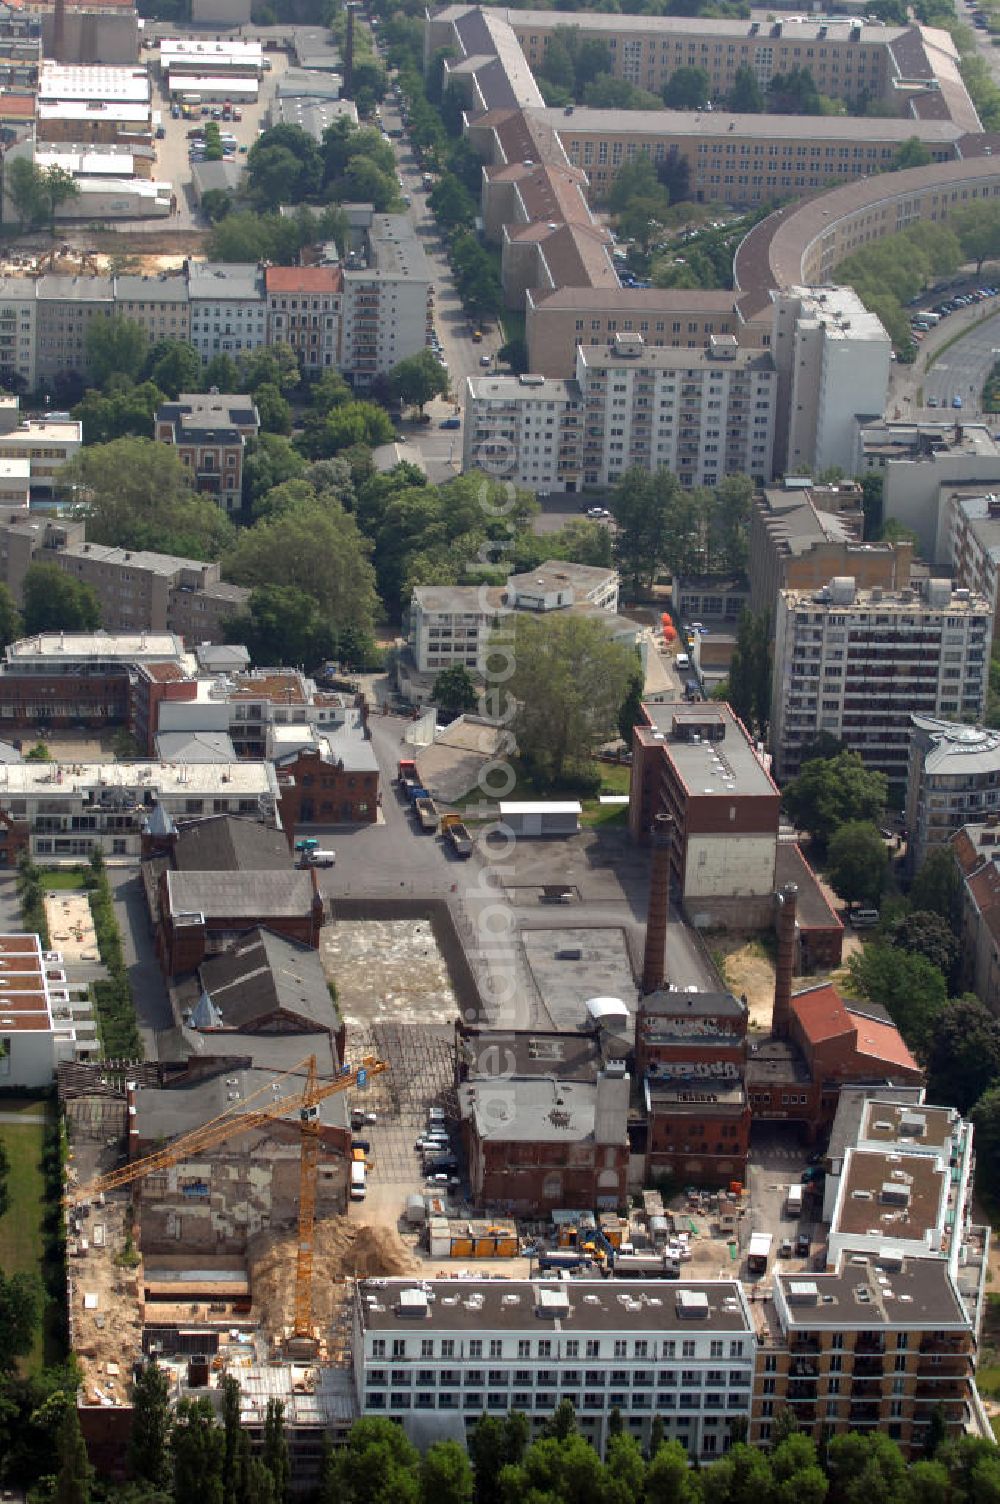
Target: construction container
x,y
461,1248
439,1238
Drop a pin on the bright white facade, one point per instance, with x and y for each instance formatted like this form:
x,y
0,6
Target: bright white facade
x,y
439,1355
387,299
525,429
858,664
832,357
37,1030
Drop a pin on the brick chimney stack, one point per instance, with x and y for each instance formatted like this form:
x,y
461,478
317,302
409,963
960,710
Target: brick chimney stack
x,y
787,901
654,960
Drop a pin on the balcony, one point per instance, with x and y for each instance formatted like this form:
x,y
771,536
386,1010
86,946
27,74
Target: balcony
x,y
868,1368
799,1345
863,1415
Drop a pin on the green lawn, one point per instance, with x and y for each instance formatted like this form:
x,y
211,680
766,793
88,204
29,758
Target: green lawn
x,y
21,1228
615,779
66,879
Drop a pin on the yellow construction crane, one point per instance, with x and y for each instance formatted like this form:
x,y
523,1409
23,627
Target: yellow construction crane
x,y
241,1118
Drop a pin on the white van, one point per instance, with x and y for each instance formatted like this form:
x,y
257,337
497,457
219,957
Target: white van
x,y
358,1180
793,1200
864,919
683,662
319,857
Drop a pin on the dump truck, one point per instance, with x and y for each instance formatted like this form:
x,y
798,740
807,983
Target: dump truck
x,y
426,813
406,770
415,791
454,831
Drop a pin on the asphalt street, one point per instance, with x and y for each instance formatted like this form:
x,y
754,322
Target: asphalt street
x,y
963,368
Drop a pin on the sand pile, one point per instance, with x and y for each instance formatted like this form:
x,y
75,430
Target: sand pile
x,y
343,1249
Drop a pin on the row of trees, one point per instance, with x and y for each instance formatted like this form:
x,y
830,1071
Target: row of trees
x,y
892,272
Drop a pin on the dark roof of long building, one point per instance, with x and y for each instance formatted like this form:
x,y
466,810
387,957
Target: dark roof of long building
x,y
230,843
264,974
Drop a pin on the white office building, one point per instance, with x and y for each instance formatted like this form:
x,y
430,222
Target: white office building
x,y
833,364
440,1354
525,429
859,663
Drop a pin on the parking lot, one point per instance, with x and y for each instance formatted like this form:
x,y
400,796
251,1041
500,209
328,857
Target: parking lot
x,y
172,165
420,1076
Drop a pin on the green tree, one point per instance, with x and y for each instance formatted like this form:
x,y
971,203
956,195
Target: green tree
x,y
912,153
21,1300
271,461
857,862
38,753
284,166
274,412
319,547
750,672
378,1464
446,1474
986,1122
669,1479
115,347
74,1475
937,887
794,93
234,1439
963,1058
56,602
746,97
276,365
687,89
913,991
274,1454
221,372
118,413
418,378
175,366
831,792
23,189
641,507
630,713
569,680
978,230
137,494
451,203
928,934
197,1446
11,627
149,1442
353,423
454,689
625,1471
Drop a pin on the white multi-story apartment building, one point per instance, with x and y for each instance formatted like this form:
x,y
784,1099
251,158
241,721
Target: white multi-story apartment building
x,y
703,414
228,307
973,543
18,333
443,1353
833,364
388,299
858,663
525,429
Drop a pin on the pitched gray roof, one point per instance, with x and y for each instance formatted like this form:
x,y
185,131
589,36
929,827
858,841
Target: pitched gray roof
x,y
230,843
261,975
252,895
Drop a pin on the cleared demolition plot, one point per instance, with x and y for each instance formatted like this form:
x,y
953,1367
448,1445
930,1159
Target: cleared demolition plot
x,y
387,969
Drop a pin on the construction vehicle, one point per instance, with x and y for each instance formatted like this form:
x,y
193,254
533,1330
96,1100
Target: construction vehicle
x,y
454,831
240,1118
406,770
415,791
426,812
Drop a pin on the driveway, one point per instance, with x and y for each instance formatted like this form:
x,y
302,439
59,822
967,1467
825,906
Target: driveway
x,y
152,1004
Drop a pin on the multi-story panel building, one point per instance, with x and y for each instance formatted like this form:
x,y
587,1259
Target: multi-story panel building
x,y
228,307
18,333
684,1352
525,429
833,362
65,307
857,663
388,299
953,780
304,311
139,590
801,537
159,304
973,544
210,432
703,414
46,443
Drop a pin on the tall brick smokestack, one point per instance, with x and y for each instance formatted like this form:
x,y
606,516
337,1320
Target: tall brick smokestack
x,y
59,31
654,960
787,901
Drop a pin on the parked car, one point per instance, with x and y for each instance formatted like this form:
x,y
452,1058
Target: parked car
x,y
450,423
485,360
956,401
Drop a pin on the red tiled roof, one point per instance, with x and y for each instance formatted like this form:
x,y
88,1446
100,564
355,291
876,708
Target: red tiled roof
x,y
966,855
984,886
822,1013
304,279
877,1040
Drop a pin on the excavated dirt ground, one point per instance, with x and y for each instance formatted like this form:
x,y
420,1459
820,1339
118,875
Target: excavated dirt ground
x,y
343,1249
